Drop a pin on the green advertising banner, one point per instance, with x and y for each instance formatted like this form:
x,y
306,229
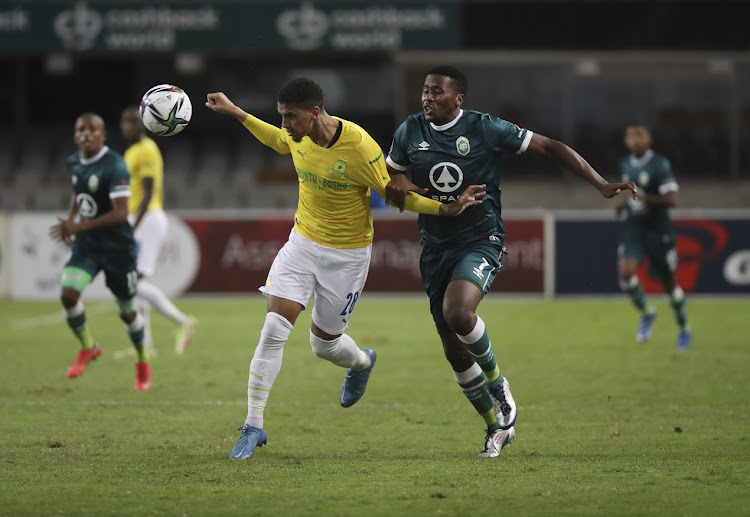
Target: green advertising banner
x,y
56,26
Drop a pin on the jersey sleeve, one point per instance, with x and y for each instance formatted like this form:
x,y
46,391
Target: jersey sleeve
x,y
268,134
502,135
377,178
667,181
397,156
119,179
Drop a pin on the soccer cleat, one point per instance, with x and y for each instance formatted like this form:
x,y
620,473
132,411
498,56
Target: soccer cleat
x,y
185,335
142,377
647,321
355,382
684,339
82,360
495,441
505,407
250,438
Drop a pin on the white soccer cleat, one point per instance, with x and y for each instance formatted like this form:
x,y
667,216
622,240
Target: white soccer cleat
x,y
495,441
505,407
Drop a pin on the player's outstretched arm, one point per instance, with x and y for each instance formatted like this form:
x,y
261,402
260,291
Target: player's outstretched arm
x,y
571,160
398,187
220,103
469,197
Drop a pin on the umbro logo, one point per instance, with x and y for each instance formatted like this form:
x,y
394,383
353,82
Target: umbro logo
x,y
423,146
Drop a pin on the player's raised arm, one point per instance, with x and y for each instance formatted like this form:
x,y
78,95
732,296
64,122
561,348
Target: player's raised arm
x,y
220,103
571,160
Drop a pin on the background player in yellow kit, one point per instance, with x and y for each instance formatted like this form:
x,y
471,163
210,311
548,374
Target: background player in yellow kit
x,y
328,252
149,221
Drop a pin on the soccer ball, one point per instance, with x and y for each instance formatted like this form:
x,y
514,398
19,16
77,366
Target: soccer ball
x,y
166,110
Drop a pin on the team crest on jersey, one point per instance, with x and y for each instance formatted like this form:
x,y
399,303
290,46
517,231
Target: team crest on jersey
x,y
75,180
93,183
462,145
339,168
446,176
87,206
643,178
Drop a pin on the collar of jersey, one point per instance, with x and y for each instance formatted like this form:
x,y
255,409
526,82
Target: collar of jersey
x,y
643,160
95,158
449,124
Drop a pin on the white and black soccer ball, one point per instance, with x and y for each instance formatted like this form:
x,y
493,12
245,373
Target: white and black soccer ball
x,y
166,110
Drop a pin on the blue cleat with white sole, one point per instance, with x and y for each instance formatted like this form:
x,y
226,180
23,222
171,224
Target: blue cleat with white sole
x,y
684,339
355,382
250,438
647,321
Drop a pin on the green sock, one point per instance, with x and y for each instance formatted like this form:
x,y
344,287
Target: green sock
x,y
136,333
76,318
678,302
478,344
635,291
475,389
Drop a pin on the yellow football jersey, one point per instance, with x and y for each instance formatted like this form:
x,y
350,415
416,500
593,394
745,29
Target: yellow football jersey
x,y
144,161
334,183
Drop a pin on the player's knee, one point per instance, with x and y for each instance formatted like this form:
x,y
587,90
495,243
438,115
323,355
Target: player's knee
x,y
459,319
128,317
276,330
323,348
69,297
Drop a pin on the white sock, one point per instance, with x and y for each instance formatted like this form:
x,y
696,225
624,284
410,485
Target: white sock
x,y
265,366
342,351
160,302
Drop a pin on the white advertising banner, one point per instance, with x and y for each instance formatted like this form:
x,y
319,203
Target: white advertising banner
x,y
37,261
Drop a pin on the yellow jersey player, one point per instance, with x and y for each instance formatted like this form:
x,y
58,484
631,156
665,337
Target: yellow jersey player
x,y
149,221
328,252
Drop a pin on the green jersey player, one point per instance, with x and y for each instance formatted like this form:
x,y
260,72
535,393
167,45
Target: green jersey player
x,y
445,148
103,242
649,231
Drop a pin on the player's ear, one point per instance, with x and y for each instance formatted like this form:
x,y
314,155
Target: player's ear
x,y
460,99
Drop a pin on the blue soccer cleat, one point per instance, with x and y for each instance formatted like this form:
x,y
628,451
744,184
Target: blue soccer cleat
x,y
684,339
647,321
250,438
355,382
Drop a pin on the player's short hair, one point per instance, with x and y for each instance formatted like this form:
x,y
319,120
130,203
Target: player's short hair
x,y
95,116
302,92
638,123
454,74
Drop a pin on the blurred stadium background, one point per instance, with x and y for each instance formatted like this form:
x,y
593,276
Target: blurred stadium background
x,y
577,71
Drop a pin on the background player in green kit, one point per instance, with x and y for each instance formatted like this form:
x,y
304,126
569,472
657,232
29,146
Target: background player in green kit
x,y
649,231
446,148
103,241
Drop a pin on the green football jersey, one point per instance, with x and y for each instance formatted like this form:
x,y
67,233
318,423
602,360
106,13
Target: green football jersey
x,y
653,175
96,181
447,159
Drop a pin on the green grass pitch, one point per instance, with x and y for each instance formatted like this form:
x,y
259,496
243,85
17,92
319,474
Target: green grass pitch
x,y
606,426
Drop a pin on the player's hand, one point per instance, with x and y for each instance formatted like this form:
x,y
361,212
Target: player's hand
x,y
609,190
220,103
469,197
397,188
63,231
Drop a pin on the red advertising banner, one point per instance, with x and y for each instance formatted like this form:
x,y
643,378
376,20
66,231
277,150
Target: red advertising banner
x,y
237,254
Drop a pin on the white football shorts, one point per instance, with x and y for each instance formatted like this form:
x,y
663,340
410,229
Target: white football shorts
x,y
334,277
149,236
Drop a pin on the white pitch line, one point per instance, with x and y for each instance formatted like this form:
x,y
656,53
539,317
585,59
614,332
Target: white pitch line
x,y
57,317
